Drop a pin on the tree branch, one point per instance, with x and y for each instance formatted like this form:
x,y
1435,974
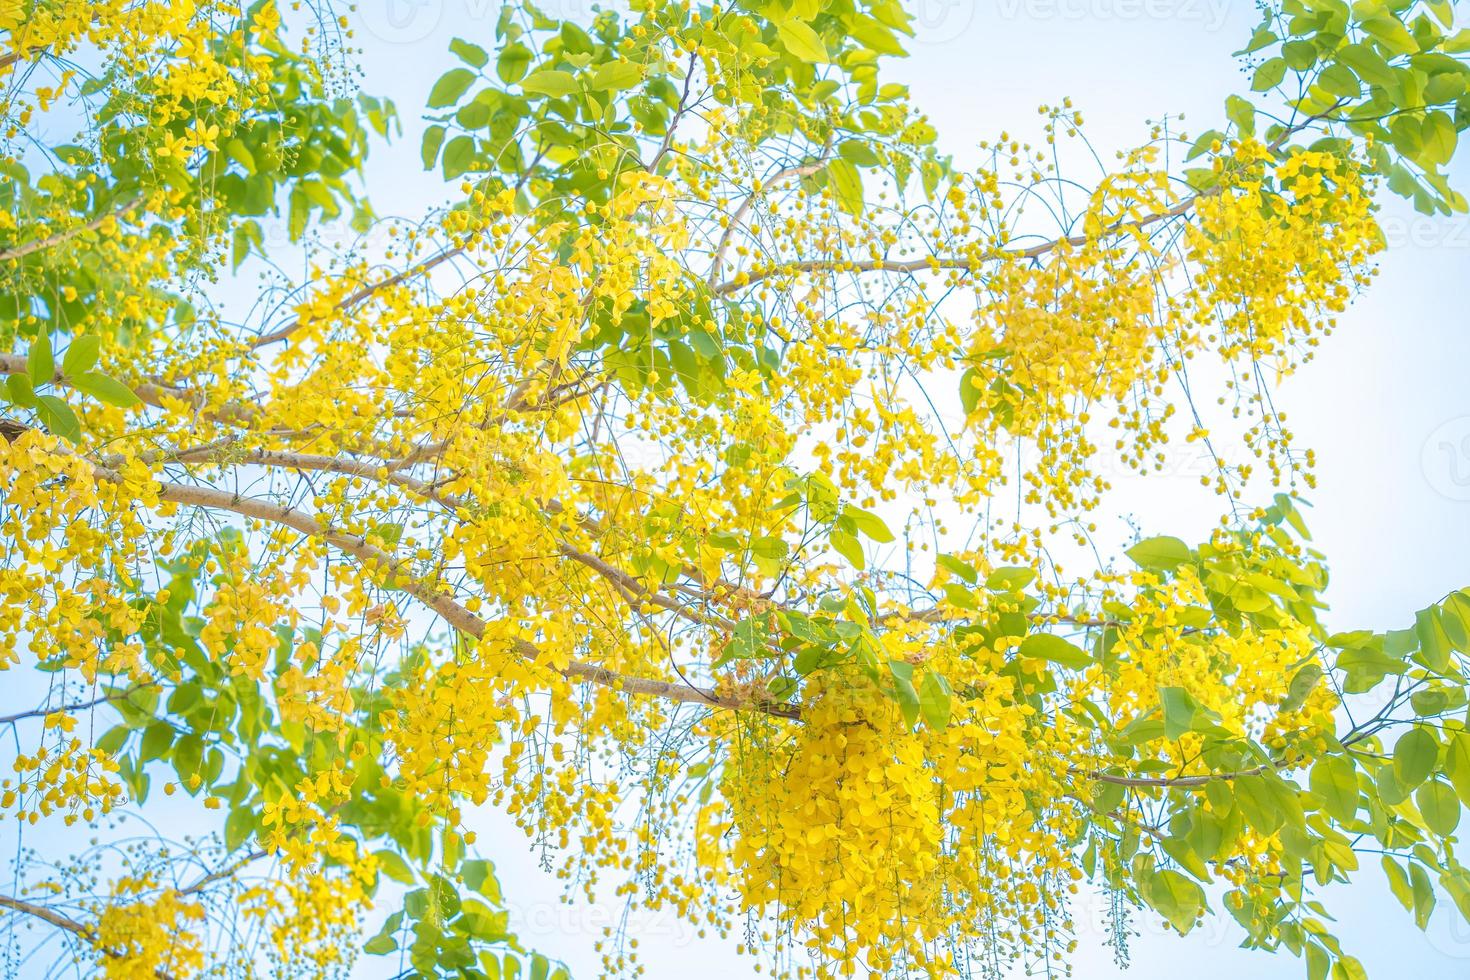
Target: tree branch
x,y
962,263
66,234
80,706
69,924
448,609
347,302
952,263
739,216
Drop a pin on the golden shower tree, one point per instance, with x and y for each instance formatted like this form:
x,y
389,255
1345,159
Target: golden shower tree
x,y
710,488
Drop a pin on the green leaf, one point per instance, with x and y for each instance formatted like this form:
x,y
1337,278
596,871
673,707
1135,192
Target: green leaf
x,y
240,153
385,941
459,156
1434,643
1439,806
58,418
1159,554
1299,55
958,568
1302,684
1180,711
1242,112
1366,667
1457,763
1335,781
1424,899
81,355
550,81
934,695
1175,897
239,826
19,390
1367,64
614,76
1439,137
970,391
450,86
433,140
1318,962
1263,37
847,185
1339,80
1398,882
749,639
1457,884
476,872
1269,75
39,362
157,738
114,739
802,41
1045,646
1414,757
902,673
1454,618
1391,33
848,547
858,152
1012,578
512,63
471,54
391,863
780,688
105,389
868,524
188,755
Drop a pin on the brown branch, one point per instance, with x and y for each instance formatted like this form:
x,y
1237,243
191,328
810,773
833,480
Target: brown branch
x,y
70,925
66,234
47,915
964,263
448,609
79,706
634,589
1163,782
347,302
628,585
668,140
739,217
952,263
11,57
154,395
226,872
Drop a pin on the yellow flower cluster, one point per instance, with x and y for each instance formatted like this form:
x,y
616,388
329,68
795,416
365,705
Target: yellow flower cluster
x,y
313,910
631,431
69,777
145,932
